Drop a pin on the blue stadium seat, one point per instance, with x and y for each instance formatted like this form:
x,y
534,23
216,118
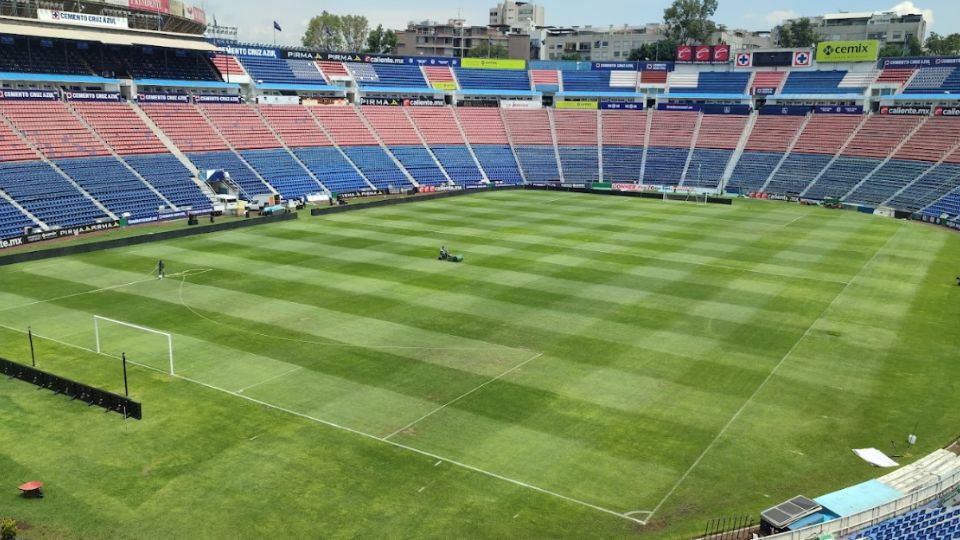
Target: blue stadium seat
x,y
333,169
717,83
890,178
539,163
459,164
935,184
501,79
752,171
796,173
114,186
622,163
664,165
706,167
12,220
171,178
420,164
499,163
580,163
240,174
400,76
842,175
278,167
817,82
43,192
377,166
581,81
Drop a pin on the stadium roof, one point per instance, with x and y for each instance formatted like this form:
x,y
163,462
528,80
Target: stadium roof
x,y
22,27
302,87
188,84
44,77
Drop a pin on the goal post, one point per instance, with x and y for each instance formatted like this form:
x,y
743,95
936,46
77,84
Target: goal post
x,y
685,195
99,323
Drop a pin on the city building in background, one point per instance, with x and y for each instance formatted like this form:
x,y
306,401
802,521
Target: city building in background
x,y
596,44
518,17
886,27
456,38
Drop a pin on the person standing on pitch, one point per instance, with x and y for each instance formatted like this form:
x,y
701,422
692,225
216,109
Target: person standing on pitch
x,y
161,269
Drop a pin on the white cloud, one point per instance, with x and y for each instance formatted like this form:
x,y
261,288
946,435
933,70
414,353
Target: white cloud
x,y
778,16
909,7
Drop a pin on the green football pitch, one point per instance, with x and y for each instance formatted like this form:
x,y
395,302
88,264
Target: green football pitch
x,y
597,367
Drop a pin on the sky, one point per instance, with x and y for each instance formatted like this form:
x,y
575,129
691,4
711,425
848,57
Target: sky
x,y
255,17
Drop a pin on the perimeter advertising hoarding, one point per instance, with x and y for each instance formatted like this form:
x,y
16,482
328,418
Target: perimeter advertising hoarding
x,y
703,54
163,98
926,61
905,111
838,109
92,96
35,95
620,106
493,63
581,105
949,112
785,110
848,51
158,6
81,19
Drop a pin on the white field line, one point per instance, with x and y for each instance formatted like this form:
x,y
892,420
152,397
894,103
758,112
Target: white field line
x,y
770,376
794,220
271,379
451,402
439,458
664,259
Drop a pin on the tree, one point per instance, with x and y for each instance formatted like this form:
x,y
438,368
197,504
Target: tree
x,y
664,50
688,21
325,32
939,45
381,41
331,32
572,57
488,49
797,34
355,30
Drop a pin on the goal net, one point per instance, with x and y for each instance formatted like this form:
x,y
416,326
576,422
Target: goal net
x,y
683,195
142,345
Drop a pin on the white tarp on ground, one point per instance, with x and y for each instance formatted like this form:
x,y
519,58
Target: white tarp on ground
x,y
875,457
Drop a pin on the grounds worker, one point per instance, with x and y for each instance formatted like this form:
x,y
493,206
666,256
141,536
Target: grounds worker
x,y
160,269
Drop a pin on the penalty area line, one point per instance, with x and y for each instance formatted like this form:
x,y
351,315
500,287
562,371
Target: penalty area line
x,y
363,434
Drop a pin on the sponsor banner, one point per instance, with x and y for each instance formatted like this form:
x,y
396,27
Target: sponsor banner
x,y
802,59
785,110
520,104
764,91
177,8
215,98
949,112
581,105
424,102
905,111
926,61
144,220
92,96
444,85
59,233
848,51
493,63
157,6
81,19
621,106
721,54
715,108
373,58
383,102
478,103
615,66
678,107
250,51
163,98
656,66
701,53
324,101
35,95
838,109
743,60
684,53
431,61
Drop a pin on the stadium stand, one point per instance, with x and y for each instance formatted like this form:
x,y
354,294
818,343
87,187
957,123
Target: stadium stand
x,y
931,186
39,56
531,135
923,524
400,76
505,79
12,221
12,147
53,129
545,80
898,76
577,141
439,130
440,77
581,81
174,181
185,126
716,141
282,71
948,205
227,66
878,137
334,70
770,139
396,131
120,127
816,82
285,174
46,194
357,142
137,62
487,135
113,185
653,77
624,134
294,125
819,141
714,83
671,135
767,79
240,126
934,80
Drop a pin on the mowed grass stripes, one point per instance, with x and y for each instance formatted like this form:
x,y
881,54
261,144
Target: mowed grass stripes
x,y
594,348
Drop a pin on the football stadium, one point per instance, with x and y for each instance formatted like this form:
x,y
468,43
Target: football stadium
x,y
253,290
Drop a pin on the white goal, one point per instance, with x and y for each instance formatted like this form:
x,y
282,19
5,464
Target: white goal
x,y
685,195
142,345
